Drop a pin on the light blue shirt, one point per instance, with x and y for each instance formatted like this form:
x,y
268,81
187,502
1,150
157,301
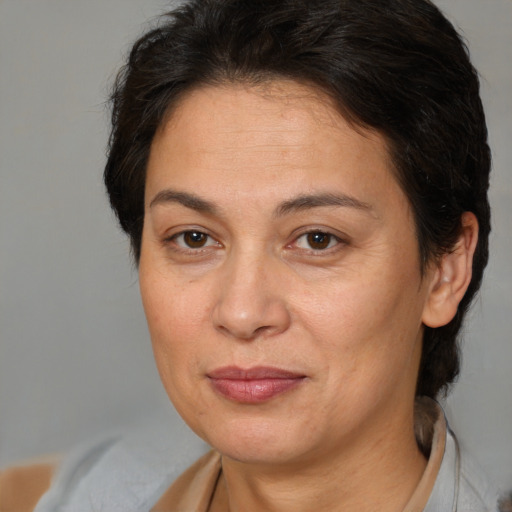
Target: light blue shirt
x,y
129,472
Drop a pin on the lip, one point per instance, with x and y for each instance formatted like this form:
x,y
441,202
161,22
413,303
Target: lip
x,y
253,385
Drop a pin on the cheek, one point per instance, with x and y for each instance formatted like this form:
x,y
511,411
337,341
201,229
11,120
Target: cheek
x,y
171,303
364,325
173,313
358,304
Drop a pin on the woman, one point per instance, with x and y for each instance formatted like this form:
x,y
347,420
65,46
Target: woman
x,y
304,185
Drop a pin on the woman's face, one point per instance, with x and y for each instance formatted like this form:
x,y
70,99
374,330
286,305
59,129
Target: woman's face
x,y
280,275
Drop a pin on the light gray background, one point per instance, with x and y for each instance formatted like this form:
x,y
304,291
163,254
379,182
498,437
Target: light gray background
x,y
75,357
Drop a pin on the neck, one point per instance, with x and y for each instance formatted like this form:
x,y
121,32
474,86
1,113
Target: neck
x,y
363,476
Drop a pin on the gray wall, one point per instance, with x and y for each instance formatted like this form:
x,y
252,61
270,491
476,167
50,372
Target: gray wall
x,y
74,351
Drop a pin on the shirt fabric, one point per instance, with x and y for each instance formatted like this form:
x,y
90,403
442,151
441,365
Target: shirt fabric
x,y
450,482
144,470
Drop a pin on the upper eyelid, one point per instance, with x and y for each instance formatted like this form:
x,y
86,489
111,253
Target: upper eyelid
x,y
180,230
168,241
342,237
328,233
324,231
182,233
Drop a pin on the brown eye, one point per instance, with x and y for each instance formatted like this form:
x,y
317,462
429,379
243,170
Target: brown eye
x,y
194,240
317,241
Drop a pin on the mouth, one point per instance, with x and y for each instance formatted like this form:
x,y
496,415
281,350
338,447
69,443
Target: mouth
x,y
253,385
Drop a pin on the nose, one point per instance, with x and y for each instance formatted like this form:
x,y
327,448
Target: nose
x,y
251,301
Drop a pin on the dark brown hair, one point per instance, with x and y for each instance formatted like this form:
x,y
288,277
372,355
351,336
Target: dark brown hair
x,y
395,66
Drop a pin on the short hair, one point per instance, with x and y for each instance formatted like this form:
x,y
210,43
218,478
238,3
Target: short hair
x,y
394,66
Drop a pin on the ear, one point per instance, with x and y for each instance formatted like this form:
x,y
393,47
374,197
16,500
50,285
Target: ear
x,y
451,277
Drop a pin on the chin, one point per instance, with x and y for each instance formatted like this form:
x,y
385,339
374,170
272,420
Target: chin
x,y
258,441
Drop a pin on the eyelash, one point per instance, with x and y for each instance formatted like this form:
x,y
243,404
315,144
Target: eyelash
x,y
184,247
322,234
333,242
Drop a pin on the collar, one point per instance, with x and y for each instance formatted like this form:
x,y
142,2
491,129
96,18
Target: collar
x,y
438,486
134,470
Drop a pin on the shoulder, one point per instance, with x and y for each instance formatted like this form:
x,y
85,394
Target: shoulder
x,y
475,490
22,486
460,484
127,469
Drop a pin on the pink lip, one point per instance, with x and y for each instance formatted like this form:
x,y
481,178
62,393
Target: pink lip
x,y
254,385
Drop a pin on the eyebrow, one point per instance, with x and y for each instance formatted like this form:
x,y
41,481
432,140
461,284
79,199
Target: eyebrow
x,y
185,199
296,204
306,202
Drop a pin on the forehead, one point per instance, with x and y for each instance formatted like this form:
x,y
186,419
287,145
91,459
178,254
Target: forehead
x,y
294,101
232,135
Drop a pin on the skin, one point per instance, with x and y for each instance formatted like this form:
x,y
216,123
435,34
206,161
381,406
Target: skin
x,y
230,163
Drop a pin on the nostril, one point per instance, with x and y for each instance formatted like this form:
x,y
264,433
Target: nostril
x,y
270,321
262,329
246,335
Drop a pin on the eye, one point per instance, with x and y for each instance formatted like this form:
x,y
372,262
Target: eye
x,y
317,241
193,240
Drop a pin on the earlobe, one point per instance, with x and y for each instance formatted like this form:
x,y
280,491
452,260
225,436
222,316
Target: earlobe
x,y
452,276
